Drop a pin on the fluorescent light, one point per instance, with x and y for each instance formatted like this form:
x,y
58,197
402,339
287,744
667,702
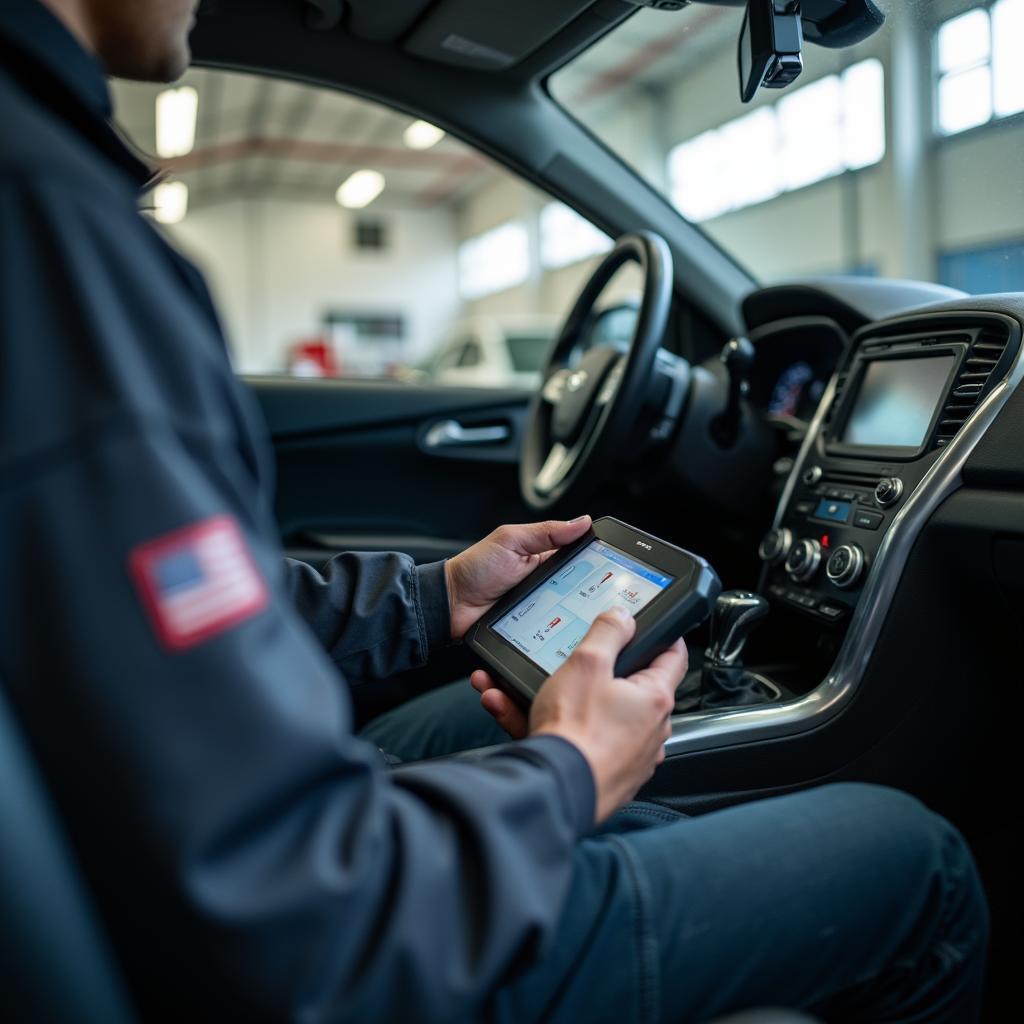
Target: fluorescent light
x,y
170,202
176,121
422,135
360,189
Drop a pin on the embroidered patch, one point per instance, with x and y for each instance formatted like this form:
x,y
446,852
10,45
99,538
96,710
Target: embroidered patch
x,y
197,581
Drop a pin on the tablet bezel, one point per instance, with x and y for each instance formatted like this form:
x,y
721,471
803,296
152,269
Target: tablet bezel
x,y
524,676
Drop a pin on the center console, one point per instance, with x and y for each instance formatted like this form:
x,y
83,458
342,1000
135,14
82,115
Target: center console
x,y
910,400
897,403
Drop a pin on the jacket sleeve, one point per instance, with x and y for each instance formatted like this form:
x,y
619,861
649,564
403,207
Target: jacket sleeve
x,y
253,860
375,614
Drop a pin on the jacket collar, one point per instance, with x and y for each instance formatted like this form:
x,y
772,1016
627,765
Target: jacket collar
x,y
46,60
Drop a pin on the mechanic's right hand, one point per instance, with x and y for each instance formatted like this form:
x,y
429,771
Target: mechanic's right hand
x,y
619,725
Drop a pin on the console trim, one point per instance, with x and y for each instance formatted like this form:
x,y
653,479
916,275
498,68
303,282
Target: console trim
x,y
720,729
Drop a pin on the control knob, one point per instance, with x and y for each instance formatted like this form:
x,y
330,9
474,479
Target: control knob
x,y
846,566
803,561
775,545
889,491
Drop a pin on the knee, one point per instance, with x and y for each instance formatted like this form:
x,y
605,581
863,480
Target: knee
x,y
921,847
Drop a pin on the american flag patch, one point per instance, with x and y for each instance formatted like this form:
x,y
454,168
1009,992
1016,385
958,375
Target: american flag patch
x,y
197,581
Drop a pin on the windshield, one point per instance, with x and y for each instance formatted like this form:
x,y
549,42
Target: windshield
x,y
895,158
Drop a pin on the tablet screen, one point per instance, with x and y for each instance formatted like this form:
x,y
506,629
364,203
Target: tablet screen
x,y
552,619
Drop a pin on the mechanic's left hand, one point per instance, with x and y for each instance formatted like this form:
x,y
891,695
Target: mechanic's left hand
x,y
490,568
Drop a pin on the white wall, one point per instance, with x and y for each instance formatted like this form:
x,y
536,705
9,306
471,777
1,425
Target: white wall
x,y
276,266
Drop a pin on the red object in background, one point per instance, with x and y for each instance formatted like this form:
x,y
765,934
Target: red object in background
x,y
313,358
824,540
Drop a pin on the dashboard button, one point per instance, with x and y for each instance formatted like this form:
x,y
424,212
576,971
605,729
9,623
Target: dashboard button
x,y
845,566
812,475
868,520
803,508
833,511
803,560
847,495
831,611
889,491
775,546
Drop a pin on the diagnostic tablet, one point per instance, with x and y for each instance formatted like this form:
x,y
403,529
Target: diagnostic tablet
x,y
527,635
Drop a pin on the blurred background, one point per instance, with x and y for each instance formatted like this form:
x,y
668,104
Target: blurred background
x,y
341,238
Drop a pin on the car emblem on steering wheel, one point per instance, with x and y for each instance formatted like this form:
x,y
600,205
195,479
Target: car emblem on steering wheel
x,y
576,380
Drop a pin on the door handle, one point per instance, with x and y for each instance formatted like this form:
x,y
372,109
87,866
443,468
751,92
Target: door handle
x,y
452,434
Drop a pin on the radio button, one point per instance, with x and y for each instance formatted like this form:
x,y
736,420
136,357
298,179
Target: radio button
x,y
889,491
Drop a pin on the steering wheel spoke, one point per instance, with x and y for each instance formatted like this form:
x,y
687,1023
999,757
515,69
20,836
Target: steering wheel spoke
x,y
583,413
556,466
612,382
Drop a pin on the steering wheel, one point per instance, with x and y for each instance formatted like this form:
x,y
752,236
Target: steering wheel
x,y
583,413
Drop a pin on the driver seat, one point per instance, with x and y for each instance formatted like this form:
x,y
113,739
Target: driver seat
x,y
55,963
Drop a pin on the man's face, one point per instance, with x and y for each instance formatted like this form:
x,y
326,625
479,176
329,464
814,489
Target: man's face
x,y
145,40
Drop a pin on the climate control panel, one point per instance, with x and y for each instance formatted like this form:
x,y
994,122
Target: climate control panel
x,y
820,554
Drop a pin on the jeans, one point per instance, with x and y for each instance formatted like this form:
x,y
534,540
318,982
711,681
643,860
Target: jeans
x,y
853,902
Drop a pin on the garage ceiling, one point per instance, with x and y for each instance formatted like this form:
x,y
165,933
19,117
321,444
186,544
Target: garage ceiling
x,y
265,137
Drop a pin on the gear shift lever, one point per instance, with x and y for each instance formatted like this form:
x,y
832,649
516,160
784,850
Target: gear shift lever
x,y
725,682
736,613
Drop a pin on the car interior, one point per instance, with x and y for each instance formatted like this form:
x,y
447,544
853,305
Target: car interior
x,y
840,436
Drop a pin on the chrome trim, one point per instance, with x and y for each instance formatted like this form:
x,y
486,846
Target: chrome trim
x,y
719,729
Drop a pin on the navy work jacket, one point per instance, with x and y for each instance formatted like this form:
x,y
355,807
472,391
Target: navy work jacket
x,y
180,682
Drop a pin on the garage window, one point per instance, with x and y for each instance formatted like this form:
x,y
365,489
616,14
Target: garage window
x,y
833,125
345,239
494,261
980,75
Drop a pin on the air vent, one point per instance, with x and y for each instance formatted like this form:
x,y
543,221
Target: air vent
x,y
973,382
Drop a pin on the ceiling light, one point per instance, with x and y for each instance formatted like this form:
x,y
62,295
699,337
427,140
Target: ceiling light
x,y
360,189
176,121
422,135
170,202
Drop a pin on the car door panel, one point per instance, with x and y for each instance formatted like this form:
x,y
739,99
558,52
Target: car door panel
x,y
389,466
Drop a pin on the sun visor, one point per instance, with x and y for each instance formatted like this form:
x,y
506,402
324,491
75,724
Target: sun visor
x,y
383,22
489,36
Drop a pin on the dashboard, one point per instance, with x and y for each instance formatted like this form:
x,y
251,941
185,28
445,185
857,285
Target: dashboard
x,y
795,358
896,550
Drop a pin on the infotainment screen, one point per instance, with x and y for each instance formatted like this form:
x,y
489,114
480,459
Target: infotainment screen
x,y
550,621
897,401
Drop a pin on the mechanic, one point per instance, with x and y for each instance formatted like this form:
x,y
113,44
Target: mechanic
x,y
182,685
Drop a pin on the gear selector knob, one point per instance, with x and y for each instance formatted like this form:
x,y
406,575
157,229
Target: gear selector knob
x,y
735,615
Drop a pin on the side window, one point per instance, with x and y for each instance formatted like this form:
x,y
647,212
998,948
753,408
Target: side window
x,y
343,239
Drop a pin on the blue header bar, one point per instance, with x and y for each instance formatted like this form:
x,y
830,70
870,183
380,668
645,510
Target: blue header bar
x,y
614,555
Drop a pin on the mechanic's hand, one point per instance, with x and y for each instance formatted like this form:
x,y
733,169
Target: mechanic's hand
x,y
478,576
620,725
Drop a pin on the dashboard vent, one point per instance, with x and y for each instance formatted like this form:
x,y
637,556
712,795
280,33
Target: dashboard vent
x,y
972,383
